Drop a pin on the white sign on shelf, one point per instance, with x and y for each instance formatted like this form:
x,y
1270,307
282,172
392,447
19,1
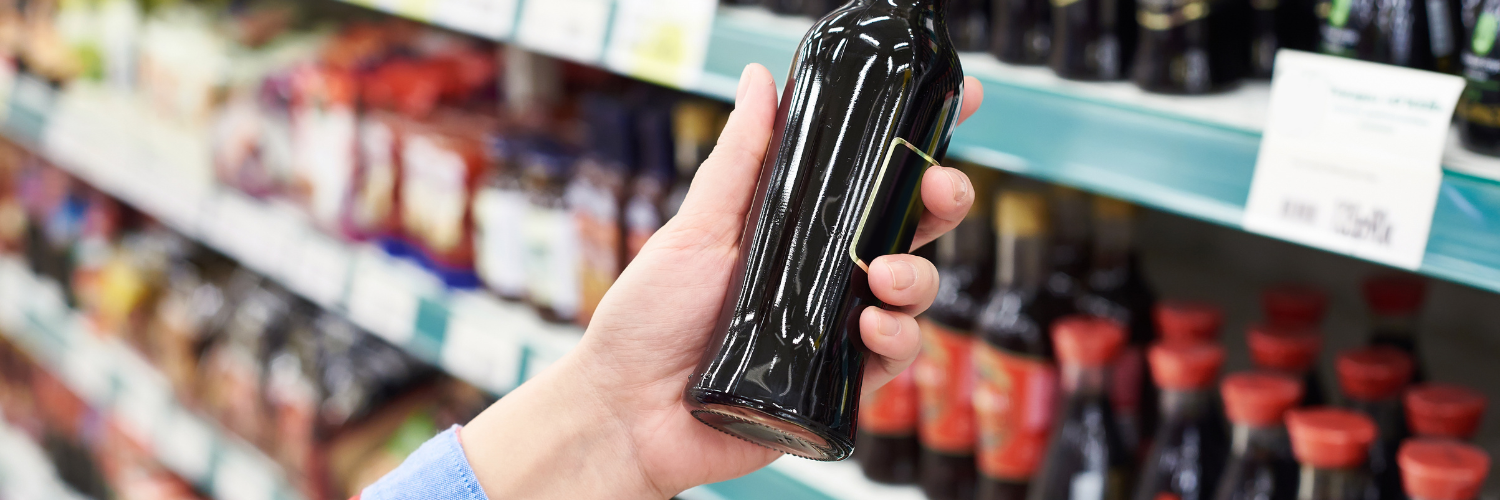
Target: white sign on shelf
x,y
570,29
1349,160
381,299
185,444
480,345
243,475
320,270
256,234
663,41
494,19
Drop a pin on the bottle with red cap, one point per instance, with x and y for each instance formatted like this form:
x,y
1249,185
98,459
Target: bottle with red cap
x,y
1294,305
1016,393
945,368
1188,321
1435,469
1187,456
1260,459
1444,411
1331,446
886,444
1086,456
1291,351
1117,290
1395,301
1372,380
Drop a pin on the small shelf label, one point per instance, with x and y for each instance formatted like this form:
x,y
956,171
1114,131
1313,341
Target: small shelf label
x,y
662,41
570,29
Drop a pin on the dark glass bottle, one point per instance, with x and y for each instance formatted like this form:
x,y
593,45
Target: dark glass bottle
x,y
1190,47
1187,456
1372,380
1278,24
1398,32
1293,305
793,7
1395,303
1086,458
945,368
1479,105
1017,390
1021,31
1444,411
1443,470
1092,39
1331,446
1293,352
838,188
886,446
1185,321
1260,457
969,21
1117,290
1069,248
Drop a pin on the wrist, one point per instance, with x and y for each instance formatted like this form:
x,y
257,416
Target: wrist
x,y
554,437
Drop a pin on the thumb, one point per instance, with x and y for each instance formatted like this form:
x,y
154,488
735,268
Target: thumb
x,y
725,183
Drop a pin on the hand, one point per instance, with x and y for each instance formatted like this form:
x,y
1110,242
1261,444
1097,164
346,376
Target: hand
x,y
608,421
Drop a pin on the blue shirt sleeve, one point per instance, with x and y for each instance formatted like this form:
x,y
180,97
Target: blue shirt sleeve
x,y
436,471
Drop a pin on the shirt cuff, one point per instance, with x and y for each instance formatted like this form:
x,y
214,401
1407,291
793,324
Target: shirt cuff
x,y
436,471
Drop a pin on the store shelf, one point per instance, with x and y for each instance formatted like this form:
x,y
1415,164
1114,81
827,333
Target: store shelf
x,y
117,382
26,471
1192,156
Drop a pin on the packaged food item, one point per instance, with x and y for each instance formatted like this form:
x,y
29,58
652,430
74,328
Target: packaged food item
x,y
1293,352
1087,458
499,214
1332,447
550,231
1092,39
1118,290
596,196
1395,302
1372,380
1190,47
886,446
1443,470
1260,458
1444,411
646,210
1184,321
1186,459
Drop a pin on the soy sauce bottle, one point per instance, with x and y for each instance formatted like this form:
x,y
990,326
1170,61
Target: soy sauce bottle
x,y
1372,380
1017,390
1398,32
1444,411
1086,456
1187,457
1278,24
1331,446
886,446
1092,39
1293,305
1186,321
1443,470
969,20
1292,352
1260,458
945,368
1189,47
871,99
1395,303
1479,105
1021,31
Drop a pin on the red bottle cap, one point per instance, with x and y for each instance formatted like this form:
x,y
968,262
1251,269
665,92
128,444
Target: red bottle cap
x,y
1259,399
1395,293
1444,410
1434,469
1373,373
1185,365
1291,305
1330,438
1182,320
1290,350
1087,340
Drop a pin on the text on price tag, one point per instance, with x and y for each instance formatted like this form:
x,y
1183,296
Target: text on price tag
x,y
570,29
1349,161
663,41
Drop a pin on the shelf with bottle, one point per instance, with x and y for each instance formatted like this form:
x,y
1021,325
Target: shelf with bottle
x,y
114,380
1190,155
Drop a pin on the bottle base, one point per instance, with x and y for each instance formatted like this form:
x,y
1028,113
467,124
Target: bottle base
x,y
947,477
887,459
778,430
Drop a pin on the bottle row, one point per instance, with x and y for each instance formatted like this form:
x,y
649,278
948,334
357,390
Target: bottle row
x,y
1207,46
490,167
333,405
1049,369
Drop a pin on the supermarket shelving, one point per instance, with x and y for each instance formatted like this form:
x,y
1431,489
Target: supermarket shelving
x,y
1193,156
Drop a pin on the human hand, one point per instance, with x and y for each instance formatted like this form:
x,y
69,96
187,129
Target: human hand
x,y
608,420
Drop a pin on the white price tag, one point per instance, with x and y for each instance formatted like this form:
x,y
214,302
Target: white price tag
x,y
185,445
320,270
480,347
144,401
243,476
86,370
494,19
571,29
258,235
14,284
1349,161
382,300
663,41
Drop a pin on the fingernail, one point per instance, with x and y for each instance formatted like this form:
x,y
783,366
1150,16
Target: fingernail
x,y
961,185
889,325
903,275
739,93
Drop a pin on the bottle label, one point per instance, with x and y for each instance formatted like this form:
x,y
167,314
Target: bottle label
x,y
552,259
878,241
891,410
501,257
945,381
1163,15
375,194
1014,402
600,238
432,193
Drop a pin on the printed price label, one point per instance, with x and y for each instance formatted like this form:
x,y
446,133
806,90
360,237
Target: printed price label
x,y
252,232
495,19
381,300
320,270
663,41
1349,161
571,29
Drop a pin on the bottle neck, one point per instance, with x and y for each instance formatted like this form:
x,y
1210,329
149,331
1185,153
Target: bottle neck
x,y
1021,263
1330,484
1185,404
1113,240
1083,381
1248,440
968,244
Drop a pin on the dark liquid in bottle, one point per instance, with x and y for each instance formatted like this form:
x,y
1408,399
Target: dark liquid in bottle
x,y
1277,24
1190,47
1022,31
1092,39
1390,420
1086,459
1119,292
1479,106
1334,484
887,459
1187,458
1260,467
838,188
1395,32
